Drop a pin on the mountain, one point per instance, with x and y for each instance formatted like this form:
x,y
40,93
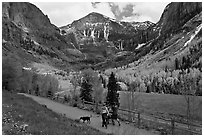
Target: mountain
x,y
178,34
101,38
29,35
96,27
97,40
142,25
173,20
176,15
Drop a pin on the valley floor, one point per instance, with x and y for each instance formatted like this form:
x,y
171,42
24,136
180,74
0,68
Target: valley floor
x,y
75,113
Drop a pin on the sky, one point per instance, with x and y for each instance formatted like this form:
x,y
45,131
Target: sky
x,y
64,13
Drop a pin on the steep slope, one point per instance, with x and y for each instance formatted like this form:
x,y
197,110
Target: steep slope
x,y
29,34
177,35
175,15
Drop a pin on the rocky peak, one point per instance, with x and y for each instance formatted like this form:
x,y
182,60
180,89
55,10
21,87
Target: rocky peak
x,y
96,14
91,18
142,25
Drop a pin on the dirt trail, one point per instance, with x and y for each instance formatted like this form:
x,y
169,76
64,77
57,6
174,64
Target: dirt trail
x,y
75,113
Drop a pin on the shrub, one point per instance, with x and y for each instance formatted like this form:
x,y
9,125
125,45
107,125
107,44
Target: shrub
x,y
11,72
14,77
48,85
26,81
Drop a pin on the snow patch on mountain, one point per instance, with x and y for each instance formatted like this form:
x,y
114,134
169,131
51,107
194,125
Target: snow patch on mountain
x,y
140,45
193,36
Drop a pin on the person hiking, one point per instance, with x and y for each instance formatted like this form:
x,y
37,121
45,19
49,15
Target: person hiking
x,y
109,115
114,115
104,115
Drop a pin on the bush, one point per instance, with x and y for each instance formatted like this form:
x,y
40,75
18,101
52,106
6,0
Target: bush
x,y
48,85
26,81
11,72
14,77
75,104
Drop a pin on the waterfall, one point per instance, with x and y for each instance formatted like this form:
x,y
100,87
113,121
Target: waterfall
x,y
193,36
84,33
92,33
98,33
121,45
106,31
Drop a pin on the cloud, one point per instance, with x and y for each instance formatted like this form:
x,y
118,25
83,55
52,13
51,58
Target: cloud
x,y
136,11
104,9
63,13
94,4
119,9
127,11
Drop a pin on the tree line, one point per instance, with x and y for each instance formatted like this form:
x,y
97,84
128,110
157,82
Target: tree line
x,y
17,78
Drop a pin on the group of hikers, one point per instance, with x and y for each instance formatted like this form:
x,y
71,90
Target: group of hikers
x,y
109,113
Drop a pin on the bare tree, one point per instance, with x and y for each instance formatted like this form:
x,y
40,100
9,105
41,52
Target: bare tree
x,y
97,92
188,85
76,81
134,96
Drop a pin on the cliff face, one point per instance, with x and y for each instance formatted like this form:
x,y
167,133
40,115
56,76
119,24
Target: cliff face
x,y
179,30
174,17
176,14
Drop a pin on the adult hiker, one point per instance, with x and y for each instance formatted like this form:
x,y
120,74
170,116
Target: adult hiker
x,y
104,115
114,115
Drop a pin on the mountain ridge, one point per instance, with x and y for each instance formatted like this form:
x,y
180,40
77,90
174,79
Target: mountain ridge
x,y
97,27
93,38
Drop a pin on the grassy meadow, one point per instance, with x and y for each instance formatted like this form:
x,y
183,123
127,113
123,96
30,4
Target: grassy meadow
x,y
163,104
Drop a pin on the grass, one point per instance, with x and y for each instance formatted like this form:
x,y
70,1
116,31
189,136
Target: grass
x,y
165,104
18,110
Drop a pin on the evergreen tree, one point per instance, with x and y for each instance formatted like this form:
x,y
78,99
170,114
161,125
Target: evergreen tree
x,y
176,64
184,62
86,90
112,95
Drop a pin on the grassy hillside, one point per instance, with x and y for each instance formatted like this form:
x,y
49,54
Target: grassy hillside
x,y
21,115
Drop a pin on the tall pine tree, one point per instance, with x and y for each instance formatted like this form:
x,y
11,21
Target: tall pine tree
x,y
176,64
112,96
86,90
